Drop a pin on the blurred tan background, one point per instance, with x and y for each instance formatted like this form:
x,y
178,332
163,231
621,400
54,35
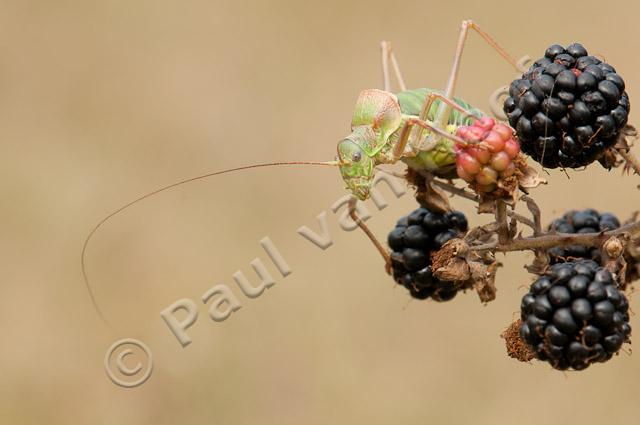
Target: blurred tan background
x,y
101,102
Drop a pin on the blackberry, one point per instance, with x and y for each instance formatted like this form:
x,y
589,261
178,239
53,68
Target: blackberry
x,y
568,108
489,156
587,221
574,315
413,240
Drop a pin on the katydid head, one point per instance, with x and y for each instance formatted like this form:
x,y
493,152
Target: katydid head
x,y
376,117
355,162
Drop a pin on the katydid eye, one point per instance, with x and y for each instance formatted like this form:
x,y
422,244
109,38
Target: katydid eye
x,y
357,156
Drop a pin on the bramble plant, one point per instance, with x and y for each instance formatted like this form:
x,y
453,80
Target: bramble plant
x,y
567,110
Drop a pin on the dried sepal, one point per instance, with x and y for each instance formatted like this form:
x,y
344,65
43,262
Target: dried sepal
x,y
539,264
628,132
516,347
427,194
434,199
529,177
455,262
483,277
449,263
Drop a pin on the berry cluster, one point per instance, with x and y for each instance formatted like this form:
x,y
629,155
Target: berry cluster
x,y
587,221
568,108
488,156
574,315
413,240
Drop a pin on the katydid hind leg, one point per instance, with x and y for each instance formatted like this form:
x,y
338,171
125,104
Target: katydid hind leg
x,y
389,62
415,143
386,75
444,110
462,39
396,70
428,104
449,101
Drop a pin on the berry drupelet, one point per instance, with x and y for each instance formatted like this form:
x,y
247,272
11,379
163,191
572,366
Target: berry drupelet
x,y
568,108
413,240
574,315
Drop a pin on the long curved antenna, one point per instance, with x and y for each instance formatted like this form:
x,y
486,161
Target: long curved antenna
x,y
155,192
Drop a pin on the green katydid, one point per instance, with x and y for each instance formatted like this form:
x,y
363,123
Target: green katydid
x,y
413,126
389,127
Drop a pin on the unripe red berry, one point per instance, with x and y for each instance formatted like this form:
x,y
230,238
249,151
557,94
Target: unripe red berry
x,y
503,130
487,176
476,133
481,154
494,141
500,161
511,168
468,163
488,154
512,148
485,123
464,175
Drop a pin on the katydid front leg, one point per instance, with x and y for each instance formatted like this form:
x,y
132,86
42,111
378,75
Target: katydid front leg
x,y
387,56
381,249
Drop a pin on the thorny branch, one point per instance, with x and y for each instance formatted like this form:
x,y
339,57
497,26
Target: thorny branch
x,y
546,241
501,219
471,261
457,191
482,240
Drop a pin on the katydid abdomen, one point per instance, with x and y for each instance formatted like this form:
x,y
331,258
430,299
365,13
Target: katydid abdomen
x,y
441,158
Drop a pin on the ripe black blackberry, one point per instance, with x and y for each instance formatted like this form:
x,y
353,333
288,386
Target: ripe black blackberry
x,y
413,240
568,108
587,221
575,315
